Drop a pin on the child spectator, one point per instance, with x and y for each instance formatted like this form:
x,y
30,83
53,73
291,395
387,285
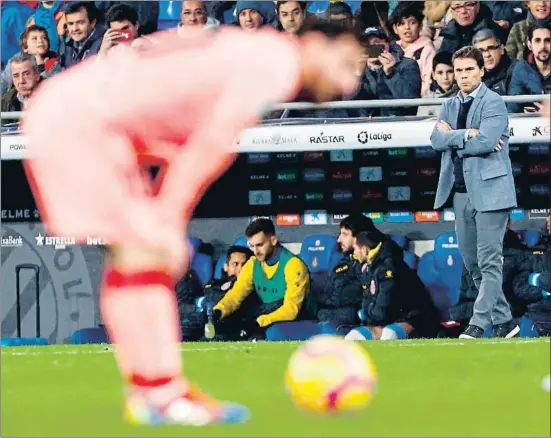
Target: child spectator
x,y
50,16
442,85
407,22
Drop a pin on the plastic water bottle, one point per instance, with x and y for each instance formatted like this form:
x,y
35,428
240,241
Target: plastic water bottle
x,y
210,331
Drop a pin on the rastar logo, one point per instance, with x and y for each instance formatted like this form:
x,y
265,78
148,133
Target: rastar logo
x,y
325,139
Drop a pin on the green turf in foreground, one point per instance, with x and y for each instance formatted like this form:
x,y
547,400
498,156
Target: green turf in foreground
x,y
440,387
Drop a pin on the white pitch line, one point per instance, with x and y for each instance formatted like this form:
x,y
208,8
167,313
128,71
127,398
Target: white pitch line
x,y
14,351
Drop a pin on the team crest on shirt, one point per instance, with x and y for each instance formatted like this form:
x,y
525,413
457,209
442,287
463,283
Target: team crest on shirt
x,y
372,288
388,274
315,263
226,286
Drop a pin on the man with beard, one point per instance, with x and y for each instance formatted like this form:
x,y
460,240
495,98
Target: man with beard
x,y
341,298
278,278
532,75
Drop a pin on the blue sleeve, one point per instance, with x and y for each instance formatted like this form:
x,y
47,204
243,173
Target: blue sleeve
x,y
405,81
516,87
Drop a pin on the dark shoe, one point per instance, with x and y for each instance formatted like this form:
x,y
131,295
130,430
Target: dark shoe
x,y
506,330
472,332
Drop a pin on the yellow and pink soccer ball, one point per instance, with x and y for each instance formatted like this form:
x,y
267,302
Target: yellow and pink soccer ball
x,y
328,375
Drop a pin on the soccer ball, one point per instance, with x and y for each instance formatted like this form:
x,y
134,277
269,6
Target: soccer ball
x,y
328,375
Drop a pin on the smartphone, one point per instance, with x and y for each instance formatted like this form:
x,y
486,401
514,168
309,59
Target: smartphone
x,y
125,34
375,50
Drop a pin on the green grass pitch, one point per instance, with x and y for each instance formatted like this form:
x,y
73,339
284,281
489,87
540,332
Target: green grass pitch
x,y
425,388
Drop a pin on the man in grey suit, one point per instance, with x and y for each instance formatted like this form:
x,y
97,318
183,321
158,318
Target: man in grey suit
x,y
472,133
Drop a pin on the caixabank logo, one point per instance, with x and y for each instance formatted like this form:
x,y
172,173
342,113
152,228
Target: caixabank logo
x,y
68,296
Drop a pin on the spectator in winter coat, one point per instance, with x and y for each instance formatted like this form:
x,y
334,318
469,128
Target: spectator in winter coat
x,y
468,18
498,65
539,13
532,75
25,78
84,37
443,83
390,75
252,15
195,14
292,16
123,27
407,24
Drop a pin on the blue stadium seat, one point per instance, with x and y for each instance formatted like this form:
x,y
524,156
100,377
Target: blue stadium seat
x,y
530,237
293,331
318,8
229,15
241,241
402,241
21,342
354,5
169,14
95,335
441,269
411,259
218,269
527,328
318,252
202,265
195,243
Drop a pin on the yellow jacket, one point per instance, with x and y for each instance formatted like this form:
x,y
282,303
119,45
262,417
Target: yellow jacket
x,y
297,279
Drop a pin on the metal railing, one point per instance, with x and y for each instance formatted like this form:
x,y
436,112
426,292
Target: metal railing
x,y
349,104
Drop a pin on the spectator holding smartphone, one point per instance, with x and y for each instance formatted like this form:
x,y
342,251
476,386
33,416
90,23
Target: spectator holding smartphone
x,y
123,27
532,75
389,75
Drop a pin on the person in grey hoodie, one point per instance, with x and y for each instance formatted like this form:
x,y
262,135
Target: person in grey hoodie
x,y
443,83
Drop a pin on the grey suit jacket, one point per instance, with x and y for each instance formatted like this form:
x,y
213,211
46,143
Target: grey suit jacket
x,y
488,175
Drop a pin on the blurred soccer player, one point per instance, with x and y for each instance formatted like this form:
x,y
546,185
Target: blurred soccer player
x,y
183,102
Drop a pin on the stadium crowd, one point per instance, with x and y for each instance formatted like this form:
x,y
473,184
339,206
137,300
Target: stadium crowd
x,y
408,49
408,45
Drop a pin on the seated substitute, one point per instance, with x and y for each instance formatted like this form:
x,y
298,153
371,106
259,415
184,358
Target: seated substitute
x,y
279,279
230,328
341,297
396,304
